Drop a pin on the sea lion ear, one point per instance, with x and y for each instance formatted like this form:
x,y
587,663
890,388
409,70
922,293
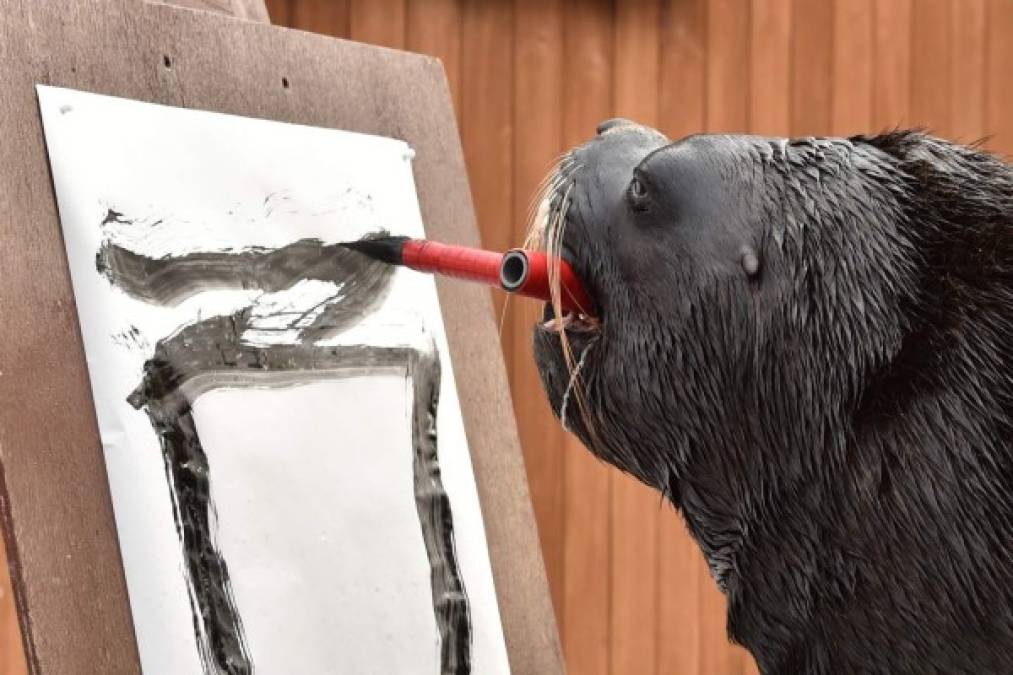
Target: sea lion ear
x,y
750,261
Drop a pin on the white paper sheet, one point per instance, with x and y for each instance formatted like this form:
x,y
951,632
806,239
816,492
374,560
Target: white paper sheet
x,y
299,585
315,512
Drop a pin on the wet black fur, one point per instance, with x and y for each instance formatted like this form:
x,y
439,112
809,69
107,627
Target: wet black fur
x,y
836,428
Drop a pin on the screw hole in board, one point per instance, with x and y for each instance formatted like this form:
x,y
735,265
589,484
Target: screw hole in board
x,y
167,62
285,82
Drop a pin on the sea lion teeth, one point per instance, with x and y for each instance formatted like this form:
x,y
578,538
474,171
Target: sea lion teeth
x,y
556,323
570,319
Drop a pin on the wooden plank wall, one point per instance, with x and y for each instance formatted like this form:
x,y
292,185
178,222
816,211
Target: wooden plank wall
x,y
532,77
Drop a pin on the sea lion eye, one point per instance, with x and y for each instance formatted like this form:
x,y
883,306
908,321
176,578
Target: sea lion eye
x,y
637,194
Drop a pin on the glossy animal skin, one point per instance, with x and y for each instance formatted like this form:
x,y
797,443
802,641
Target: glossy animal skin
x,y
807,345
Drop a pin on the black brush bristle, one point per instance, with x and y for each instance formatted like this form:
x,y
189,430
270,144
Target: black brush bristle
x,y
384,249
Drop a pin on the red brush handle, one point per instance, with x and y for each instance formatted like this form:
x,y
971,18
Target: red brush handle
x,y
535,283
450,260
517,271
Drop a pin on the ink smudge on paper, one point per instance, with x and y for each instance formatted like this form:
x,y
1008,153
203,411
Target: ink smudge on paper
x,y
131,339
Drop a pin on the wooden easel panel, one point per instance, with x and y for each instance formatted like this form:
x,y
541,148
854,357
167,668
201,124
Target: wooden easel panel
x,y
54,499
252,10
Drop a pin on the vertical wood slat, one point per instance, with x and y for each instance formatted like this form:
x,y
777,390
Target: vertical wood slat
x,y
891,89
930,65
1000,76
728,36
812,67
434,28
770,67
967,69
538,103
378,22
681,111
330,17
587,99
634,507
851,77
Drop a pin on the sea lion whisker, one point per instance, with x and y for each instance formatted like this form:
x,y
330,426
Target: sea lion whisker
x,y
554,248
574,377
540,200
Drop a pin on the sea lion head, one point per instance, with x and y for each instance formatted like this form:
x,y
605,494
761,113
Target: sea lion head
x,y
723,274
777,321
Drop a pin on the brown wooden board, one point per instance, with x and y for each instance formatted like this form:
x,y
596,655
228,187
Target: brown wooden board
x,y
54,498
253,10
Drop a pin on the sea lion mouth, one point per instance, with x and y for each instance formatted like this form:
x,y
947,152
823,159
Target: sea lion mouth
x,y
550,233
570,321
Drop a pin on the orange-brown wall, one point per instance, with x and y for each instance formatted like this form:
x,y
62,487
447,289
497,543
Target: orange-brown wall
x,y
532,77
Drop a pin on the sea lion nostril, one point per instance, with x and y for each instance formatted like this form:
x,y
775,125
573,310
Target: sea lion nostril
x,y
613,123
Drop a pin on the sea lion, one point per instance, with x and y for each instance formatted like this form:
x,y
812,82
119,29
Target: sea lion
x,y
807,346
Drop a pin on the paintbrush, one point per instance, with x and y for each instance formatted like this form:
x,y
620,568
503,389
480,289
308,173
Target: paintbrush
x,y
516,271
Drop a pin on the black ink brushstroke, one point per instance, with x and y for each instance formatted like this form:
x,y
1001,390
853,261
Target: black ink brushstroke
x,y
112,216
450,600
180,372
170,280
210,354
